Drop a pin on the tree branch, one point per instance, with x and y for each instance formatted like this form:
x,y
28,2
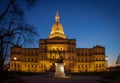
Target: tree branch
x,y
6,10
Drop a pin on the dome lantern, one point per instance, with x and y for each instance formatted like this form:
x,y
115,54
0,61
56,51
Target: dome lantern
x,y
57,17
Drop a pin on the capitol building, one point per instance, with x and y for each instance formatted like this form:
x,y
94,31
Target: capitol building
x,y
55,47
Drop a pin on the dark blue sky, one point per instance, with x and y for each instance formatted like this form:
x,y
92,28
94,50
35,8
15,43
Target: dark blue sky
x,y
90,22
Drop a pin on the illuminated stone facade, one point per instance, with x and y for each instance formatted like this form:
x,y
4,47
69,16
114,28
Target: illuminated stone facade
x,y
50,50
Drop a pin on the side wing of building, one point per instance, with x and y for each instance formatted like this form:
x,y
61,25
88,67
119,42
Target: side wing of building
x,y
24,59
90,59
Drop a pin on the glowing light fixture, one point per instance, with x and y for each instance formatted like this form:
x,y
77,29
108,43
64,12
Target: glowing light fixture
x,y
15,58
106,57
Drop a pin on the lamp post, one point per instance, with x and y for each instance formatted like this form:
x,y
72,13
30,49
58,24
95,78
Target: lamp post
x,y
106,62
14,58
50,69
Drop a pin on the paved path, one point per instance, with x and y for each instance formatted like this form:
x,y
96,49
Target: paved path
x,y
75,79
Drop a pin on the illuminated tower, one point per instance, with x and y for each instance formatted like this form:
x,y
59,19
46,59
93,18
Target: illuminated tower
x,y
57,29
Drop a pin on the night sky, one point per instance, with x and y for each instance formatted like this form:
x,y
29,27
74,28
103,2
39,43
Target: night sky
x,y
90,22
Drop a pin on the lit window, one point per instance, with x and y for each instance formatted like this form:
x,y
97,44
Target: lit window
x,y
96,65
25,65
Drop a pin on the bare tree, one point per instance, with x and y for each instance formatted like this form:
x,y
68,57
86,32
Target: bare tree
x,y
14,30
12,3
118,60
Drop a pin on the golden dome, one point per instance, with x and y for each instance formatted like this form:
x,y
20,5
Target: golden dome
x,y
57,29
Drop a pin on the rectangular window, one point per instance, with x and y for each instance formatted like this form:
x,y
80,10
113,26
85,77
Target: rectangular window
x,y
18,65
28,66
36,66
78,66
36,53
82,66
25,65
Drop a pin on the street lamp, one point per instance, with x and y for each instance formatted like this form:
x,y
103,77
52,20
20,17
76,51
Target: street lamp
x,y
106,62
14,58
50,64
64,64
50,70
